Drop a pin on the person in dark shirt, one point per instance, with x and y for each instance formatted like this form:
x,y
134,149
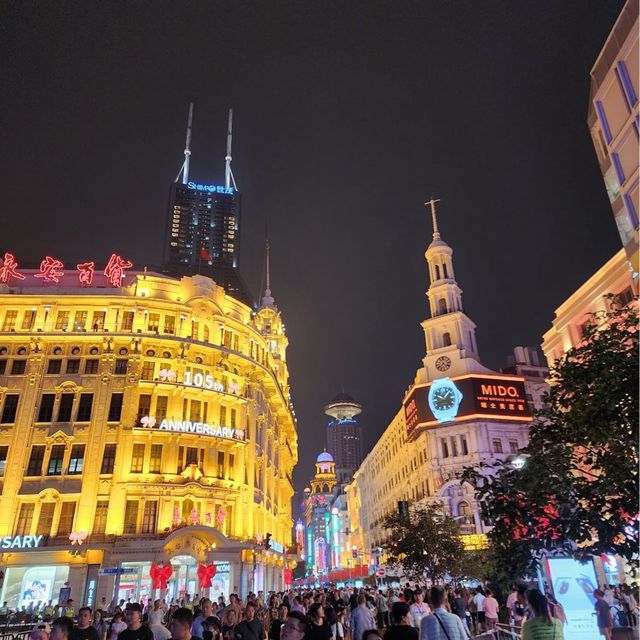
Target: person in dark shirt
x,y
401,628
603,614
319,628
181,622
84,629
211,628
250,628
276,625
135,629
61,628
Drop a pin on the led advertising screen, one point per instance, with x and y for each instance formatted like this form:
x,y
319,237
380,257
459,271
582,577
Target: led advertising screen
x,y
573,585
450,399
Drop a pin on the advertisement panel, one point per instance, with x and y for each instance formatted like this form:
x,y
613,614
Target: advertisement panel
x,y
573,585
450,399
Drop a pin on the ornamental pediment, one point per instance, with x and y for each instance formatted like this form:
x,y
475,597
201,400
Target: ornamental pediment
x,y
59,437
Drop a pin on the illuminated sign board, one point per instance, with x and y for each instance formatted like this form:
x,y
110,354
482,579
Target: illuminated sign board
x,y
200,428
199,380
21,542
211,188
474,541
483,397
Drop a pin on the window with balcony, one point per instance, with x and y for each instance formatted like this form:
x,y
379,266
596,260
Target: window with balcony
x,y
161,408
25,518
108,458
131,516
28,319
153,322
76,461
85,406
100,520
62,321
127,321
155,461
67,514
45,519
98,320
137,458
170,324
56,459
144,406
10,408
149,516
148,370
10,319
80,320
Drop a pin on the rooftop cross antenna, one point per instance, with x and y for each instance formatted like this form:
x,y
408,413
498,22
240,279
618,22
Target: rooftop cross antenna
x,y
434,219
184,169
267,299
228,174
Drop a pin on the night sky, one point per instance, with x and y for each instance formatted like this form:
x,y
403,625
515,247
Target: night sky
x,y
347,117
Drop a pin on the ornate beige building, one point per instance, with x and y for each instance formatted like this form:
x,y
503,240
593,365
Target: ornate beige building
x,y
149,423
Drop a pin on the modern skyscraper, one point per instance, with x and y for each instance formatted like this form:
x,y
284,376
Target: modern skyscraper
x,y
203,226
344,436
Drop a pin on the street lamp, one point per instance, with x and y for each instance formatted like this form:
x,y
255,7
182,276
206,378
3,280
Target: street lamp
x,y
519,461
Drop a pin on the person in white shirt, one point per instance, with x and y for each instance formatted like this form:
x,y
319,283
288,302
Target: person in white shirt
x,y
419,609
478,600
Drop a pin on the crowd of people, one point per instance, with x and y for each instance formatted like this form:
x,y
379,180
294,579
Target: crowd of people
x,y
410,613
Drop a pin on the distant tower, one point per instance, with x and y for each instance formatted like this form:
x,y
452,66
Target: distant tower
x,y
203,226
344,435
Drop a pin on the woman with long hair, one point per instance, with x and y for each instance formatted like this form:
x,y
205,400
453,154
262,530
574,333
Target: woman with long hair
x,y
542,626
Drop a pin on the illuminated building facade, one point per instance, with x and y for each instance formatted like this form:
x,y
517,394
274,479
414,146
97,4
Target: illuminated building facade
x,y
344,435
613,121
141,425
457,413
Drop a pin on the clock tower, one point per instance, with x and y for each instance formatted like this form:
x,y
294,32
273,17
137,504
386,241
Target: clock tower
x,y
450,334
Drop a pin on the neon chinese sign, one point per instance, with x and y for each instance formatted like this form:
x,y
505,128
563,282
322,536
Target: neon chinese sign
x,y
52,270
211,188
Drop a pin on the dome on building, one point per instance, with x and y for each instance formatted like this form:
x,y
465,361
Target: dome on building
x,y
325,456
343,398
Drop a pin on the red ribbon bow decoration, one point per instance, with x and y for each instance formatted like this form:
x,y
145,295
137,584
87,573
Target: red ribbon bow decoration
x,y
287,577
159,575
205,573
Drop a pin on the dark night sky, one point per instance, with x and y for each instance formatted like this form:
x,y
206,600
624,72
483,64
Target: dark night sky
x,y
348,115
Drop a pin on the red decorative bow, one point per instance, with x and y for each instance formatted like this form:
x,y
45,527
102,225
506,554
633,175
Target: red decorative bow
x,y
159,575
205,573
287,577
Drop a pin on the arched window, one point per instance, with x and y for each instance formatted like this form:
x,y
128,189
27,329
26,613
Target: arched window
x,y
442,306
465,513
437,272
446,339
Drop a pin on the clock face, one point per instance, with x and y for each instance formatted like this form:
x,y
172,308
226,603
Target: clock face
x,y
444,398
443,363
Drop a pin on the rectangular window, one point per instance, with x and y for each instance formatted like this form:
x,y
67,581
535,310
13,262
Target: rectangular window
x,y
91,366
45,519
28,319
148,370
170,324
454,446
10,319
127,321
220,464
233,417
161,408
227,339
67,513
56,459
445,448
62,321
4,452
34,467
54,366
98,320
120,367
76,461
131,516
195,411
144,406
231,466
66,405
108,458
115,407
25,518
195,329
84,407
497,445
100,521
18,367
223,415
149,516
192,456
180,460
463,446
10,408
80,321
137,458
73,365
3,367
513,446
155,462
45,412
624,297
153,322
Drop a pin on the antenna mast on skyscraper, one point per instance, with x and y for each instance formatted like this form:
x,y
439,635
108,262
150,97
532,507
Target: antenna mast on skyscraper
x,y
184,169
228,174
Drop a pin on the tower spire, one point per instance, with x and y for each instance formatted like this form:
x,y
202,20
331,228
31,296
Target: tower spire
x,y
184,169
267,298
228,174
434,218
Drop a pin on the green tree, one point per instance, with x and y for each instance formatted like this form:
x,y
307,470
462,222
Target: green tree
x,y
577,492
425,544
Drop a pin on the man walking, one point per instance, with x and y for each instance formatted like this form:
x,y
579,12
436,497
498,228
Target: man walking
x,y
441,625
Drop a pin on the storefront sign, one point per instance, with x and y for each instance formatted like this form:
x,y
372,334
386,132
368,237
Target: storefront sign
x,y
21,542
211,188
482,397
475,541
201,428
199,380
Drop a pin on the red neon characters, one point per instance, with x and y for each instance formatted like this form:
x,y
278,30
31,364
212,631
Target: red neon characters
x,y
51,270
114,271
9,269
86,270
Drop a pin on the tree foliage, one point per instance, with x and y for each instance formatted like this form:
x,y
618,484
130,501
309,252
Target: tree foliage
x,y
425,544
578,490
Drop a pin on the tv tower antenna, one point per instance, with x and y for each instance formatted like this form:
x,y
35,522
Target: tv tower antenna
x,y
228,174
184,169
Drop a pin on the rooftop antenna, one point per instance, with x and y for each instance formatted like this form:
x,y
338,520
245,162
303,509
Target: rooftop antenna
x,y
434,219
267,299
228,174
184,169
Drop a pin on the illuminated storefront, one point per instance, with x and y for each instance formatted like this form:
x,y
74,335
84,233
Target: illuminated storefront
x,y
144,421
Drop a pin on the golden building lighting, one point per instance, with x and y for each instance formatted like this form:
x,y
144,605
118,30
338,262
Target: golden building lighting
x,y
141,425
